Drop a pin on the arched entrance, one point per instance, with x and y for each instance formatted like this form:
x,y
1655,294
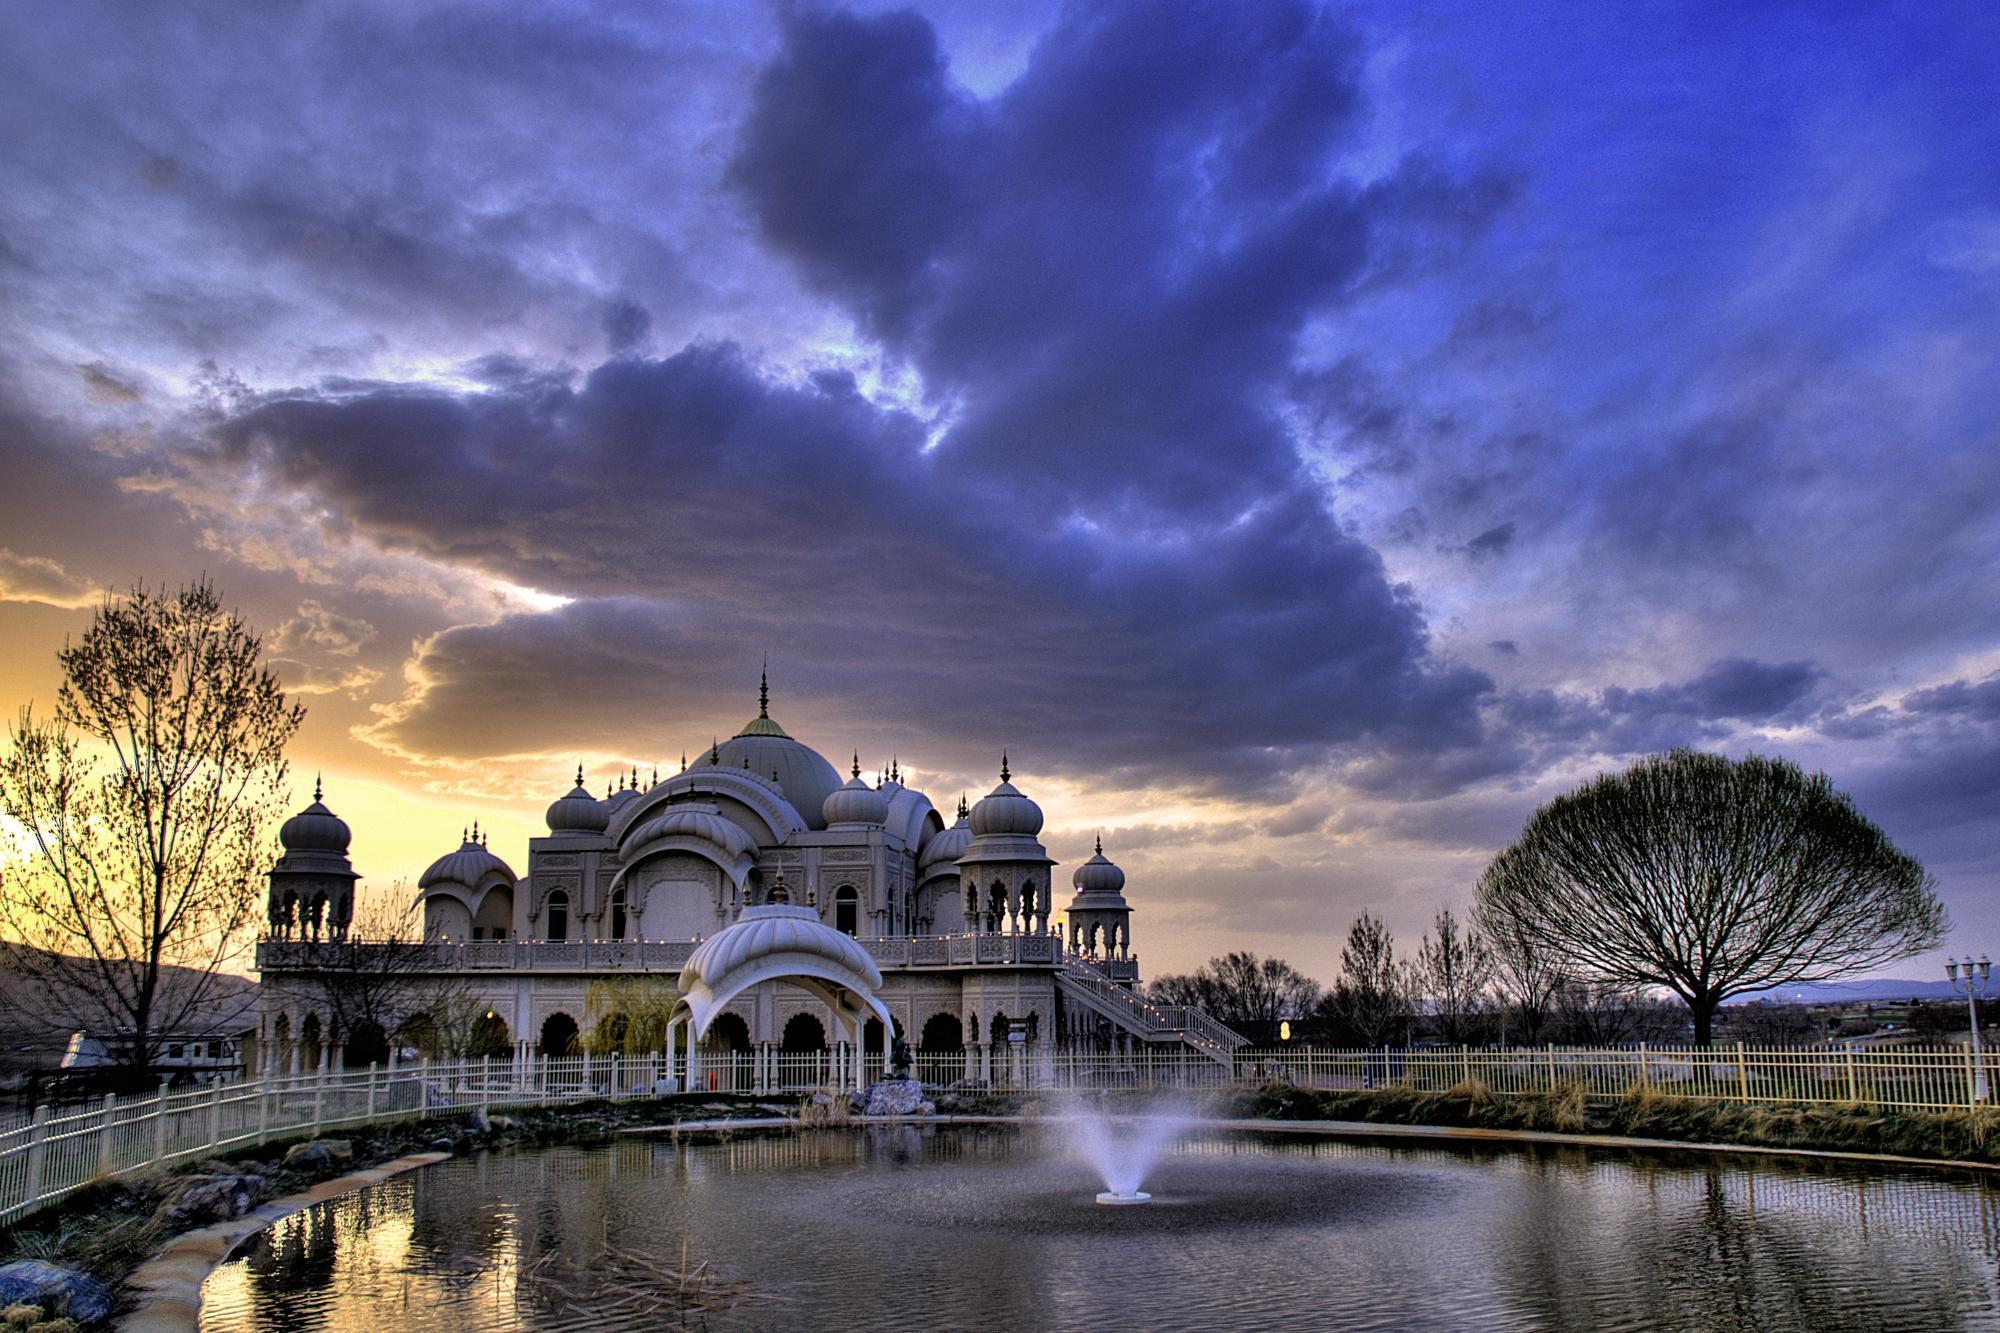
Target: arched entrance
x,y
779,942
558,1035
367,1045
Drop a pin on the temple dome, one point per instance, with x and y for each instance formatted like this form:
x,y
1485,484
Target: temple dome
x,y
946,845
803,775
1004,810
692,821
1097,875
776,929
315,829
470,864
856,802
578,811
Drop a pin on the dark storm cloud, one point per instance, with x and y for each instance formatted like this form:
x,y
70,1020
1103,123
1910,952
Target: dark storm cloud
x,y
1113,553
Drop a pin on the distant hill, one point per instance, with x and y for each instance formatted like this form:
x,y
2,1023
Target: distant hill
x,y
1875,990
34,1028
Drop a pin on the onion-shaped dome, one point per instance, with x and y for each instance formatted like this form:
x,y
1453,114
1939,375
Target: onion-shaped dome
x,y
1005,811
693,821
578,811
856,802
315,829
946,845
470,864
1098,875
803,775
775,929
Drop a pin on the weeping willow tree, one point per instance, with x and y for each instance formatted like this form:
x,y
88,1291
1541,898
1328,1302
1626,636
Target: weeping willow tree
x,y
628,1015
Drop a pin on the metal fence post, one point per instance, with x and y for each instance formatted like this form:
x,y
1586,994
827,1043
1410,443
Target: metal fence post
x,y
319,1099
1645,1079
618,1088
35,1138
215,1113
371,1092
263,1111
160,1125
1742,1075
1552,1067
485,1081
104,1134
1853,1077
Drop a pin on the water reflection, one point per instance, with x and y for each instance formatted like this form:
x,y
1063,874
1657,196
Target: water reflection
x,y
994,1228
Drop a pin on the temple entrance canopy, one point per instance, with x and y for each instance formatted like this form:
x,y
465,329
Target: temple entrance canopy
x,y
779,942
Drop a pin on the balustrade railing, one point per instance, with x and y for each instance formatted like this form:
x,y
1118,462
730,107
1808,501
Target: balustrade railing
x,y
280,955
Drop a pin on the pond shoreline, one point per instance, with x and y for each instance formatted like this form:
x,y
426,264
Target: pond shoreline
x,y
1466,1114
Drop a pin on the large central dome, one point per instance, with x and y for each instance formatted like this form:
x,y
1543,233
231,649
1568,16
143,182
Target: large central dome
x,y
765,749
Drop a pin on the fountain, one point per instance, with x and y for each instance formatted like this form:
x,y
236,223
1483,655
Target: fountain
x,y
1121,1151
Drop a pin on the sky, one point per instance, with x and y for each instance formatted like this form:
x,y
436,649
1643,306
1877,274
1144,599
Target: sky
x,y
1305,437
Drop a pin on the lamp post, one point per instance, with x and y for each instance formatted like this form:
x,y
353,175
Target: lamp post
x,y
1973,979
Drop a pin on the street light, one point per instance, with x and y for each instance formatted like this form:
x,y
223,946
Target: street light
x,y
1973,979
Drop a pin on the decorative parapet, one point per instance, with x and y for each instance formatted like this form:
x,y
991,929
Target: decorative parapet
x,y
528,955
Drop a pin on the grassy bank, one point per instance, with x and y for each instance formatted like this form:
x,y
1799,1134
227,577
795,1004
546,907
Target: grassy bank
x,y
1959,1136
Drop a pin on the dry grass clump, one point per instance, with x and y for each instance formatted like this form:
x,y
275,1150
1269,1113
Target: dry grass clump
x,y
825,1109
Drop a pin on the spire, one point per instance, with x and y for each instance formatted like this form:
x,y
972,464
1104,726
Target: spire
x,y
1100,844
655,781
579,775
1005,776
684,761
714,751
316,788
764,690
475,832
895,770
857,764
963,810
635,777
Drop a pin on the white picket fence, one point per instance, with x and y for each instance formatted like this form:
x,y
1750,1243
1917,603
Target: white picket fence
x,y
64,1148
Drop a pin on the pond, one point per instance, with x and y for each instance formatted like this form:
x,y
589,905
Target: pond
x,y
995,1228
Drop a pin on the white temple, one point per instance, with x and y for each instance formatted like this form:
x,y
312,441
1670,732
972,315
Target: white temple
x,y
959,918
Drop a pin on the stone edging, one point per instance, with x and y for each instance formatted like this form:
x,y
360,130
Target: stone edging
x,y
169,1283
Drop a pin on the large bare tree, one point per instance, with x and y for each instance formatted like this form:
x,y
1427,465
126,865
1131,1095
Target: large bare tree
x,y
142,807
383,981
1711,877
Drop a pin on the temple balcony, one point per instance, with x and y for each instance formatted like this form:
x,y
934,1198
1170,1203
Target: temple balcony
x,y
893,954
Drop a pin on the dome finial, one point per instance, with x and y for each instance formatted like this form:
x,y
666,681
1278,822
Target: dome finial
x,y
1100,844
579,773
764,689
654,781
1005,776
857,763
316,787
684,761
714,752
963,808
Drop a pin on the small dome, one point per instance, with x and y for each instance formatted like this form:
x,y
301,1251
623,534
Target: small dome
x,y
1005,810
947,845
470,864
775,929
856,802
578,812
315,829
692,821
1098,875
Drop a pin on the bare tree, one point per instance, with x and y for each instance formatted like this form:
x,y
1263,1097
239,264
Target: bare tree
x,y
1711,878
384,979
1453,972
1373,995
1601,1013
628,1015
142,806
1241,988
1527,977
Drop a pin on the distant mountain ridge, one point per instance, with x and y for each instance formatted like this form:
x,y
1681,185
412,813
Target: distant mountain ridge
x,y
1881,990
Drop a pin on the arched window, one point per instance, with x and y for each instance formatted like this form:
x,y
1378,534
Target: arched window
x,y
618,915
558,911
846,911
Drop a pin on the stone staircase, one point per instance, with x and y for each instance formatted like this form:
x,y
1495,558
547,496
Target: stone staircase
x,y
1184,1024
